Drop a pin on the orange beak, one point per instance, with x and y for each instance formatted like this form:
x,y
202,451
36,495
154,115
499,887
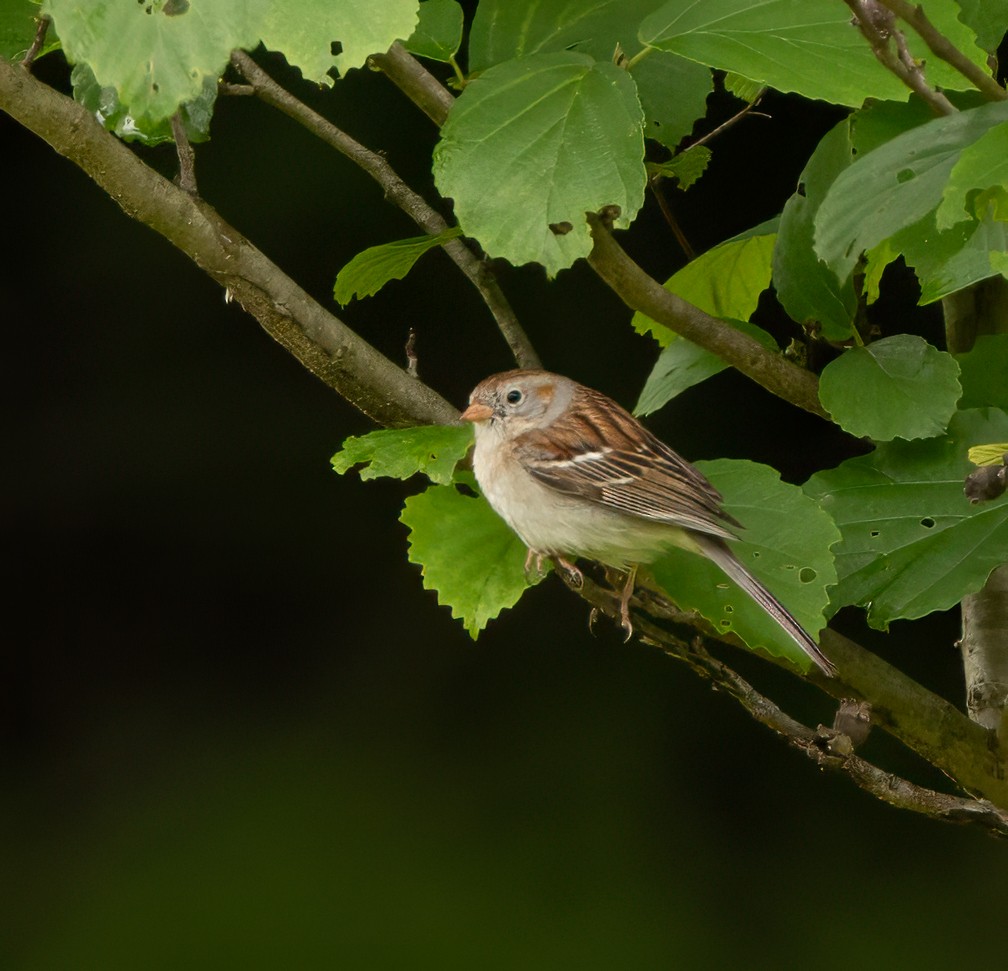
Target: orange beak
x,y
477,412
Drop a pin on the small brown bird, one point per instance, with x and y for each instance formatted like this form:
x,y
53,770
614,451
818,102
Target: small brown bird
x,y
574,474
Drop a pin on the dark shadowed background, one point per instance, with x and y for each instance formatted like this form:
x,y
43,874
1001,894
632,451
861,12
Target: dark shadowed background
x,y
237,732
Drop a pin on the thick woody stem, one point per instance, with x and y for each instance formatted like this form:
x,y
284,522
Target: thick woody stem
x,y
641,292
322,342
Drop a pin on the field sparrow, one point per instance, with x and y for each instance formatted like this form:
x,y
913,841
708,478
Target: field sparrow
x,y
574,474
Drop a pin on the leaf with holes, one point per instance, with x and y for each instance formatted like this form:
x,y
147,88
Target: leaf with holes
x,y
912,542
895,185
786,544
537,142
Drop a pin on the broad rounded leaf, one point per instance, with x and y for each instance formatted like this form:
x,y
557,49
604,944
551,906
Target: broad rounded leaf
x,y
912,542
157,55
786,544
360,27
537,142
898,387
504,29
983,373
466,553
810,47
434,450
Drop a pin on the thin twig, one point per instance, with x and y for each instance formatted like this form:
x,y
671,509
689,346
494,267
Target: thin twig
x,y
942,47
414,205
322,342
37,41
820,745
186,156
641,292
734,120
654,184
877,26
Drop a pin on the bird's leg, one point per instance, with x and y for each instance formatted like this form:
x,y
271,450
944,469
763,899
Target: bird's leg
x,y
575,576
624,602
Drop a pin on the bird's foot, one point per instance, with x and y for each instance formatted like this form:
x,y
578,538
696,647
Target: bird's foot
x,y
624,603
574,576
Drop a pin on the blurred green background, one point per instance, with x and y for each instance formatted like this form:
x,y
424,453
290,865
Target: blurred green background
x,y
237,731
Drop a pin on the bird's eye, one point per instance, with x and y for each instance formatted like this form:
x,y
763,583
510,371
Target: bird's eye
x,y
514,396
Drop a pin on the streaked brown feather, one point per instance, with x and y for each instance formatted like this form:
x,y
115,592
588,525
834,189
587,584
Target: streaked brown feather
x,y
662,486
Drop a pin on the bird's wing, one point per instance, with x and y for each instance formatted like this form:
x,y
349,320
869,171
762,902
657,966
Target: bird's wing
x,y
626,468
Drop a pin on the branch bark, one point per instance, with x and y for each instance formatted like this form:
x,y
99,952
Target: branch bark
x,y
942,47
323,343
641,292
923,721
398,192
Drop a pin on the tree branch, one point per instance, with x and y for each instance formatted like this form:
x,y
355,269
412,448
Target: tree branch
x,y
916,708
942,47
878,25
323,343
416,82
641,292
398,192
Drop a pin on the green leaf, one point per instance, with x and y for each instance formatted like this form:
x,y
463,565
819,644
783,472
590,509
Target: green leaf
x,y
439,31
806,287
988,19
504,29
912,542
810,47
372,268
746,89
897,387
983,370
104,104
673,93
685,168
305,32
981,169
992,453
466,553
537,142
895,185
682,364
786,544
951,260
726,281
17,29
156,55
434,450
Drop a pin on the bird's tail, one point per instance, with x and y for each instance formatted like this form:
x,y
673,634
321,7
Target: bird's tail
x,y
714,549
